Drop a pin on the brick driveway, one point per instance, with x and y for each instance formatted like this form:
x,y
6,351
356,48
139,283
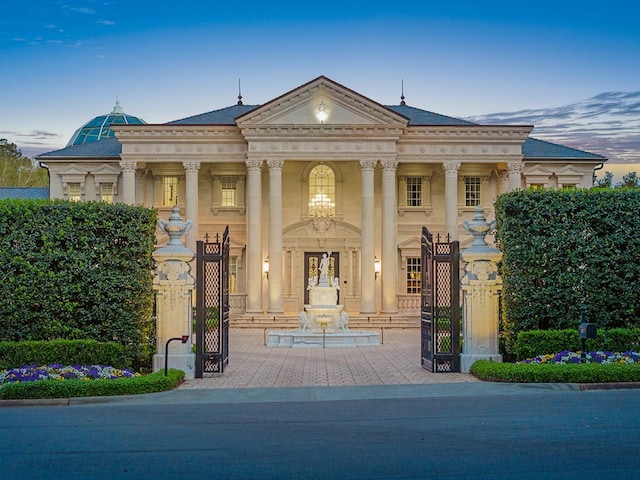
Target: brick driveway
x,y
252,364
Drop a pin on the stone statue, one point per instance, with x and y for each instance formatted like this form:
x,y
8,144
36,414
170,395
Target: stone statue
x,y
324,267
344,320
304,321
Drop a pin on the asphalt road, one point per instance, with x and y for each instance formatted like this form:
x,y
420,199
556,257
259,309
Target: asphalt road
x,y
471,432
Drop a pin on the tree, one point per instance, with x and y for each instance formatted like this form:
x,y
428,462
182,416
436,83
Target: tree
x,y
606,181
17,170
630,180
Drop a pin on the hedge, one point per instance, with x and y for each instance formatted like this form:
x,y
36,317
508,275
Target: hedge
x,y
154,382
555,373
66,352
76,270
541,342
562,249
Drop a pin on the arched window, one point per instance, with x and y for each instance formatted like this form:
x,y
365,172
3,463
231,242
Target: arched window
x,y
322,191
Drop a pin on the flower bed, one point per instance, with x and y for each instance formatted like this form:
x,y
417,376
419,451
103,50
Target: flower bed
x,y
567,356
57,371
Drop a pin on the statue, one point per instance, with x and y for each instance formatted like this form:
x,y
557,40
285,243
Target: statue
x,y
303,320
324,268
344,320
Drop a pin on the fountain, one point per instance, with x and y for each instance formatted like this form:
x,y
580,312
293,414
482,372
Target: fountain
x,y
322,323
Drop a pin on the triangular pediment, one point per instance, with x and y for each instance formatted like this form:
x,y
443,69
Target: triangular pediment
x,y
537,170
569,170
302,105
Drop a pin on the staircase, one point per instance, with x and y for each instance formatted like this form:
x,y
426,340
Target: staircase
x,y
356,322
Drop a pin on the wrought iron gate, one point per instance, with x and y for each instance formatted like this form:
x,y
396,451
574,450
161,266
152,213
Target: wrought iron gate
x,y
440,304
212,305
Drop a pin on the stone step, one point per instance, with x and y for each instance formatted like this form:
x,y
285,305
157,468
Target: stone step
x,y
355,322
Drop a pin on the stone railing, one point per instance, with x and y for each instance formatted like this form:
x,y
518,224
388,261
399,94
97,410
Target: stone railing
x,y
408,304
237,303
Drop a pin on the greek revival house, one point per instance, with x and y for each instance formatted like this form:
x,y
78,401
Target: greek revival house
x,y
320,168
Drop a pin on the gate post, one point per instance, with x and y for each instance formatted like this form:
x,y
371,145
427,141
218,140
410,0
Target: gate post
x,y
481,287
174,284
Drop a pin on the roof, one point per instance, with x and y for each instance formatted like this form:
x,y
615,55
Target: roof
x,y
534,148
223,116
417,116
24,192
100,127
106,148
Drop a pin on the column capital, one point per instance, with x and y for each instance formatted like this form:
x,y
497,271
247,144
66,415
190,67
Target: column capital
x,y
389,165
128,166
451,167
515,168
368,165
191,166
275,165
253,165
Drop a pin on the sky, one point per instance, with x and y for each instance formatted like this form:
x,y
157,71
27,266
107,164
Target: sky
x,y
568,67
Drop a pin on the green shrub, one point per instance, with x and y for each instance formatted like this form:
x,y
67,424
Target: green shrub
x,y
76,270
562,249
67,352
532,343
154,382
555,373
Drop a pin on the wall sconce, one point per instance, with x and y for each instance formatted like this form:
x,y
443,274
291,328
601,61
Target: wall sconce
x,y
265,267
376,266
322,112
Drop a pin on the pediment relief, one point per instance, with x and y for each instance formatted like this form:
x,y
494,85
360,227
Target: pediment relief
x,y
302,106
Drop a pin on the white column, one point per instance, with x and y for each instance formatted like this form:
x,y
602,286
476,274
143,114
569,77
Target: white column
x,y
515,175
191,169
275,236
451,197
367,272
254,236
388,267
128,168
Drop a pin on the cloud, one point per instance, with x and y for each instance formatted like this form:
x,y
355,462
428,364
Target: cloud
x,y
106,22
607,124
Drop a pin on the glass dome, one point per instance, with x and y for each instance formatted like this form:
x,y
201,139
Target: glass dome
x,y
100,127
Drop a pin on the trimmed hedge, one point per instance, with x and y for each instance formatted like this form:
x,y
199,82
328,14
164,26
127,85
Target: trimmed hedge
x,y
154,382
66,352
555,373
77,270
565,248
541,342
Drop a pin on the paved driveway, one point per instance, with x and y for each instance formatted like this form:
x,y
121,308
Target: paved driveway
x,y
252,364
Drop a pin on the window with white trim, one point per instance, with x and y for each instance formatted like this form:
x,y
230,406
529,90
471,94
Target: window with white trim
x,y
169,191
414,191
322,191
229,188
75,192
471,191
414,275
106,192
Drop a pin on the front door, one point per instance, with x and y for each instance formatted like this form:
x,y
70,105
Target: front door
x,y
312,269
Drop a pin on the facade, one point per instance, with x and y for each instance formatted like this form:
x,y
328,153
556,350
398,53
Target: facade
x,y
320,168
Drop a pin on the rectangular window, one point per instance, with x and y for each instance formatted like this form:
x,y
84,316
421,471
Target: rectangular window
x,y
74,192
472,191
229,185
414,191
568,187
106,192
169,191
536,186
414,275
233,275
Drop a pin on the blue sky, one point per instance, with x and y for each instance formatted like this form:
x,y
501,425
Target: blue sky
x,y
570,68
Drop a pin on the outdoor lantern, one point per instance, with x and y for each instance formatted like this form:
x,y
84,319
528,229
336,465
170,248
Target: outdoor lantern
x,y
587,330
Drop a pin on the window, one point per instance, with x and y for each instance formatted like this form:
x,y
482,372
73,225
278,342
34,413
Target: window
x,y
322,189
169,191
233,275
536,186
568,187
229,186
471,191
74,192
106,192
414,191
414,275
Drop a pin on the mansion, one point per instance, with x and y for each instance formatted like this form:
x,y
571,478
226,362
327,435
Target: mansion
x,y
318,169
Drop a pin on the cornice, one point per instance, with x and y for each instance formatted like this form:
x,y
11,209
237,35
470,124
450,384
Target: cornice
x,y
503,133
